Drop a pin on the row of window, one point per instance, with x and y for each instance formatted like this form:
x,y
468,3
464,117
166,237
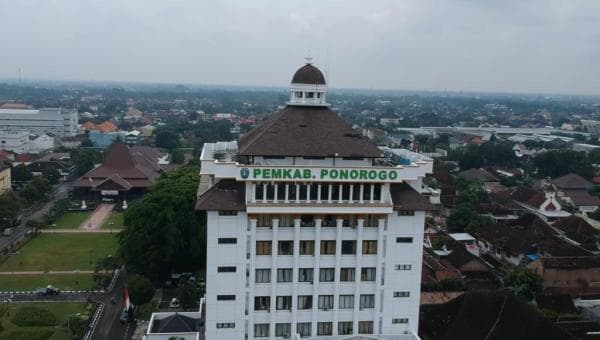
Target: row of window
x,y
307,247
311,192
306,275
287,221
325,302
304,328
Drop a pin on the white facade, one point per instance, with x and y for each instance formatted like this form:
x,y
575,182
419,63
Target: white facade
x,y
58,121
15,141
369,268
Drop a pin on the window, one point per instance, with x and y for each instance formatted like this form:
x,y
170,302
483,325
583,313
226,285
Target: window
x,y
298,94
367,301
262,302
401,294
403,267
369,247
304,301
371,221
283,329
303,328
281,191
346,301
326,274
264,221
226,269
328,220
314,189
286,220
377,192
227,213
261,330
305,275
263,276
344,327
325,328
326,302
367,274
327,247
347,274
225,297
318,94
307,247
284,303
406,213
349,247
285,248
270,193
400,320
226,325
263,247
307,221
260,191
365,327
310,94
284,275
350,221
227,240
404,239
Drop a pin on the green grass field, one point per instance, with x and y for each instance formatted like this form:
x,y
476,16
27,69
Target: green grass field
x,y
61,309
32,282
71,220
117,218
62,251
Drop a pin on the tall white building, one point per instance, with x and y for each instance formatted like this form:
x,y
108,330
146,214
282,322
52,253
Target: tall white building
x,y
313,231
58,121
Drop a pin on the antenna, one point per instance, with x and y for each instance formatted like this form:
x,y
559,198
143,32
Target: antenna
x,y
309,57
20,91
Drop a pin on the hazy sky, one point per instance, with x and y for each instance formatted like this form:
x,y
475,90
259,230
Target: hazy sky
x,y
491,45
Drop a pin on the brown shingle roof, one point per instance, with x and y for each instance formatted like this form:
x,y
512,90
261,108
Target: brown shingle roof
x,y
479,175
306,131
225,195
571,181
578,230
407,198
308,74
529,196
582,198
571,262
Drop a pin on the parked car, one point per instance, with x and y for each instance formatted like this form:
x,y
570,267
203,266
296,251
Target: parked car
x,y
7,232
48,290
174,303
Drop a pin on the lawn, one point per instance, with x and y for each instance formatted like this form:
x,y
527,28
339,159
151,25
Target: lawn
x,y
71,220
117,219
60,281
62,251
61,310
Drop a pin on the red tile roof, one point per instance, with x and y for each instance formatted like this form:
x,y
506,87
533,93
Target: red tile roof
x,y
571,181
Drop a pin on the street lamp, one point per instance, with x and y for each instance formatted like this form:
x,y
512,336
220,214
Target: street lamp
x,y
111,223
69,324
76,277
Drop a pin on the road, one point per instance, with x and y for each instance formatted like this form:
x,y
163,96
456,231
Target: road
x,y
35,213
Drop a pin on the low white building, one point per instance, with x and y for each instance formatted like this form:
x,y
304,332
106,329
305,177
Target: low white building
x,y
58,121
16,141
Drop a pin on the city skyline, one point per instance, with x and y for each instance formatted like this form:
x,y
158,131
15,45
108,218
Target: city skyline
x,y
539,47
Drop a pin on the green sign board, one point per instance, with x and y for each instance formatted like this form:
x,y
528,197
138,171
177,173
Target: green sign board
x,y
318,174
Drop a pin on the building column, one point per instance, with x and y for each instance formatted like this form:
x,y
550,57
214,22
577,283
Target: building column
x,y
319,193
308,192
295,275
351,193
361,195
359,229
252,252
316,266
264,189
379,274
336,270
384,190
340,191
371,199
329,193
274,255
253,198
276,193
287,193
297,193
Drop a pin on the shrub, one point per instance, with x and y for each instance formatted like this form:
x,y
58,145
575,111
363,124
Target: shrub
x,y
31,316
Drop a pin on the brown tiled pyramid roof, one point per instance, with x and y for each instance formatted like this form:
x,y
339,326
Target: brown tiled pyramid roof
x,y
529,196
479,175
308,74
225,195
407,198
572,181
306,131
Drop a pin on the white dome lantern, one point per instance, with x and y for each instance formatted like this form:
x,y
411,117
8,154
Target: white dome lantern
x,y
308,87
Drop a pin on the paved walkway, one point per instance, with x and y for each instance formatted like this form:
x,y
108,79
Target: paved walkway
x,y
51,272
97,217
79,231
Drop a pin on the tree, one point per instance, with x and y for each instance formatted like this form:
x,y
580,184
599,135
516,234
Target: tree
x,y
85,160
10,204
20,173
42,185
164,232
523,281
177,156
165,138
594,156
140,289
30,193
52,175
188,296
555,163
87,143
